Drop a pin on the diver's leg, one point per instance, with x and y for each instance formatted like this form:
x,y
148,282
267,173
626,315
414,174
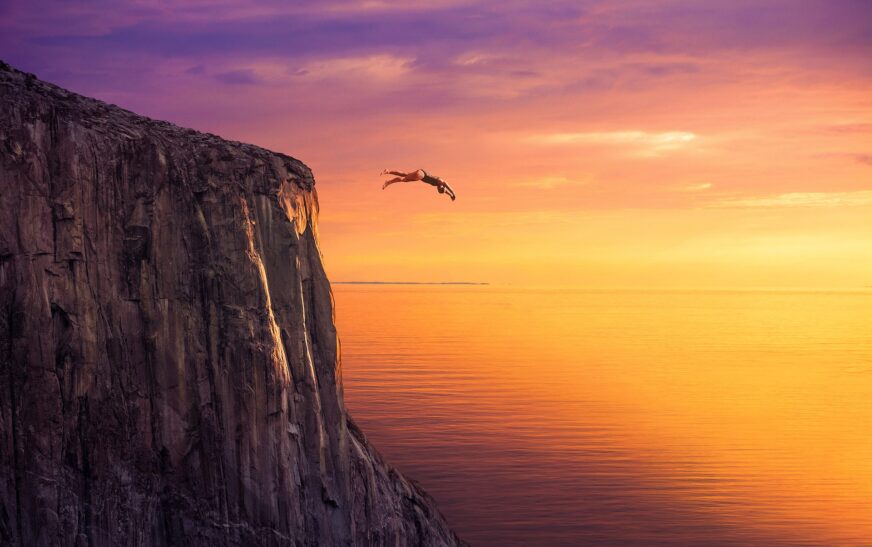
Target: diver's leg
x,y
411,176
392,181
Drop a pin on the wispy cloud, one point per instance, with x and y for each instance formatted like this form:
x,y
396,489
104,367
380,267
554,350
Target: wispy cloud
x,y
649,143
848,128
857,157
696,187
498,219
801,199
548,183
471,58
373,67
865,159
238,77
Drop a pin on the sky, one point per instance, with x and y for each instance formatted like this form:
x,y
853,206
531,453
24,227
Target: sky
x,y
621,144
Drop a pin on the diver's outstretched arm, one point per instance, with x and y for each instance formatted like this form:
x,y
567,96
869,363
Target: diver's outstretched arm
x,y
449,191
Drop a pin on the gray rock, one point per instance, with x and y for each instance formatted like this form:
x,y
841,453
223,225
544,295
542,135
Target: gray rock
x,y
169,366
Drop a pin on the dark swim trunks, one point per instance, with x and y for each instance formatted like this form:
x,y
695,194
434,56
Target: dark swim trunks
x,y
429,179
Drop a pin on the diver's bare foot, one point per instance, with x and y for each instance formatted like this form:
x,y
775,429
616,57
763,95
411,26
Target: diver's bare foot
x,y
385,172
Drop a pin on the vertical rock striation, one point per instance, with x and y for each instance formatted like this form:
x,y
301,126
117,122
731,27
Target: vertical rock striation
x,y
169,367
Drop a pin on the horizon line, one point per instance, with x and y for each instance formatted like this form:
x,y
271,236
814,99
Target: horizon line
x,y
409,283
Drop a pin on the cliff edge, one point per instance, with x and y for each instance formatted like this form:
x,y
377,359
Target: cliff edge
x,y
169,366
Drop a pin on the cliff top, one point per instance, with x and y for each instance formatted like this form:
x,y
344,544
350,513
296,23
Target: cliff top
x,y
111,119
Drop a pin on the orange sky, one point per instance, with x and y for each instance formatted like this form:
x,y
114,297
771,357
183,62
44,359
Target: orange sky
x,y
607,144
739,182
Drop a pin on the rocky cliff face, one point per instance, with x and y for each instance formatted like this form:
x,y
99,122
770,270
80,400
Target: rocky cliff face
x,y
169,368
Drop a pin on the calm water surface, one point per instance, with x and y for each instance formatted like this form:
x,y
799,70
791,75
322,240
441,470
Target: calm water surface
x,y
546,417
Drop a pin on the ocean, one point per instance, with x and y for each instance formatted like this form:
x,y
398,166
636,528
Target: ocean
x,y
580,417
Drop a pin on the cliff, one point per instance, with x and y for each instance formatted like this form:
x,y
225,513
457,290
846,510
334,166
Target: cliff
x,y
169,365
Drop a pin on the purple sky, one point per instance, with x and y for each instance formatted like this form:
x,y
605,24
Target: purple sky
x,y
130,49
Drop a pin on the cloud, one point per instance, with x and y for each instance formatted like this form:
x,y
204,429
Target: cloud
x,y
243,76
549,183
801,199
848,128
497,219
471,58
464,54
373,67
865,159
444,27
858,157
697,187
648,143
662,69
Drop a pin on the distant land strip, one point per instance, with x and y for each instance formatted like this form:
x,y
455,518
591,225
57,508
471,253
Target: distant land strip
x,y
408,283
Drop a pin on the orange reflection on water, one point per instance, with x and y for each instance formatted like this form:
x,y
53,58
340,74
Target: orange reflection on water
x,y
565,417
